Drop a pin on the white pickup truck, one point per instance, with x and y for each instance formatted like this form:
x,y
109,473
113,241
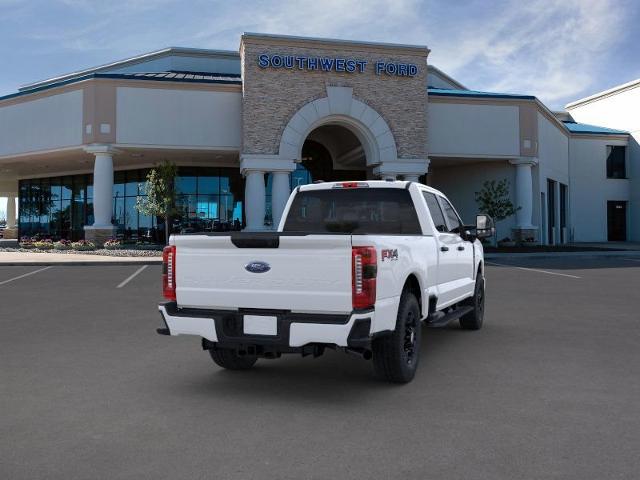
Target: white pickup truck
x,y
357,266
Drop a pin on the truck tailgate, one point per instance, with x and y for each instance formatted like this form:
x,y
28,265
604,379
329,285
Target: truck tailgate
x,y
306,273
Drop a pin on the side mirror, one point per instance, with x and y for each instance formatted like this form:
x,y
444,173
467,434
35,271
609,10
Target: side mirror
x,y
484,226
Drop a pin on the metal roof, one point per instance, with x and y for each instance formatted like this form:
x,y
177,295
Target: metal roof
x,y
575,127
444,92
604,93
145,57
176,75
186,77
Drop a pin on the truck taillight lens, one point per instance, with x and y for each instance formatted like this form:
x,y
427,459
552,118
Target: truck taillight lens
x,y
363,279
169,272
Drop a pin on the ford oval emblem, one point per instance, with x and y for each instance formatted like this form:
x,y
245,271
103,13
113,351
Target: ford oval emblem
x,y
257,267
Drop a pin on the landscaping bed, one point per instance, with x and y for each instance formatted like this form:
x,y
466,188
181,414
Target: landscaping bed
x,y
123,252
111,248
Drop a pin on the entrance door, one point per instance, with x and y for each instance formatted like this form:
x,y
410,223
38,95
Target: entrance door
x,y
617,221
563,213
551,211
543,218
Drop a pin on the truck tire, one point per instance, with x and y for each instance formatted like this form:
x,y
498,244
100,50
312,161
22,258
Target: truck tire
x,y
396,356
230,359
473,320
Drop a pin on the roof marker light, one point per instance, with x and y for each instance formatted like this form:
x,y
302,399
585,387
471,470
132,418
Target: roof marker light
x,y
351,185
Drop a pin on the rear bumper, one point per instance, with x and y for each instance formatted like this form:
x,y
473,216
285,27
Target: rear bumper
x,y
225,328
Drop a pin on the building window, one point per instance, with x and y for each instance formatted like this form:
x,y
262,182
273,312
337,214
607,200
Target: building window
x,y
54,207
209,199
616,161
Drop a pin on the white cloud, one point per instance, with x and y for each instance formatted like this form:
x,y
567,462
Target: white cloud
x,y
349,19
551,48
548,48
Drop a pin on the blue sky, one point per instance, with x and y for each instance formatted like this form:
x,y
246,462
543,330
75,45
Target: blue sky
x,y
557,50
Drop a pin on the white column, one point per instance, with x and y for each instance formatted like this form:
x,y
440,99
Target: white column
x,y
409,169
11,211
103,190
524,192
102,229
253,167
254,199
279,195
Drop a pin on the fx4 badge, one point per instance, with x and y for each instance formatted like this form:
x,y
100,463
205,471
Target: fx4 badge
x,y
389,254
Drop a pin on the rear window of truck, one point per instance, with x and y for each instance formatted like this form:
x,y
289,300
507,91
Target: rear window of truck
x,y
382,211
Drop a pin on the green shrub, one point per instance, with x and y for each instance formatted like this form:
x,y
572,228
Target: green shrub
x,y
83,245
62,245
43,244
113,244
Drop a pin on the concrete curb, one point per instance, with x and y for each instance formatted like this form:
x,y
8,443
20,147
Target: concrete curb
x,y
80,263
597,254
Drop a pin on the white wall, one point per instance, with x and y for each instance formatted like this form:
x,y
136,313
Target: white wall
x,y
553,151
553,158
42,124
590,189
165,117
8,185
460,182
621,111
463,129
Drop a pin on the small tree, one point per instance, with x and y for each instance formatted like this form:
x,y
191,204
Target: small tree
x,y
160,193
494,200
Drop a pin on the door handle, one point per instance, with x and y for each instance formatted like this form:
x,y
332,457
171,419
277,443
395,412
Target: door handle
x,y
460,248
444,249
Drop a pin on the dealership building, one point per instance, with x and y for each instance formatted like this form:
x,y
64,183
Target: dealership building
x,y
246,127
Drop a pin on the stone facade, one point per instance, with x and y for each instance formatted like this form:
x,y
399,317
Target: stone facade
x,y
98,235
10,233
272,96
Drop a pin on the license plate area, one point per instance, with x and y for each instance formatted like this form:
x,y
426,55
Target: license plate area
x,y
260,325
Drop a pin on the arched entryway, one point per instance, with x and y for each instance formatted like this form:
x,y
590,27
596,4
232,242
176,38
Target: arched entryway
x,y
337,137
331,152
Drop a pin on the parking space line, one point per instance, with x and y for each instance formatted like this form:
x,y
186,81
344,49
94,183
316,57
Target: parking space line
x,y
533,270
132,276
25,275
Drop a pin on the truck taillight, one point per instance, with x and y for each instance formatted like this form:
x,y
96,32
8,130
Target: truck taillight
x,y
169,272
363,279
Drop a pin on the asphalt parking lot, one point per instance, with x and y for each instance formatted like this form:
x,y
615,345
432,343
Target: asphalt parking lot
x,y
549,388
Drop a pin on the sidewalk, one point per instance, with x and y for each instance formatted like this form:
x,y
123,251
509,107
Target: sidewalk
x,y
616,245
32,258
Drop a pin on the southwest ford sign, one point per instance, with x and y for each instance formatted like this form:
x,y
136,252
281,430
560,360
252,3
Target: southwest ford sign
x,y
331,64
